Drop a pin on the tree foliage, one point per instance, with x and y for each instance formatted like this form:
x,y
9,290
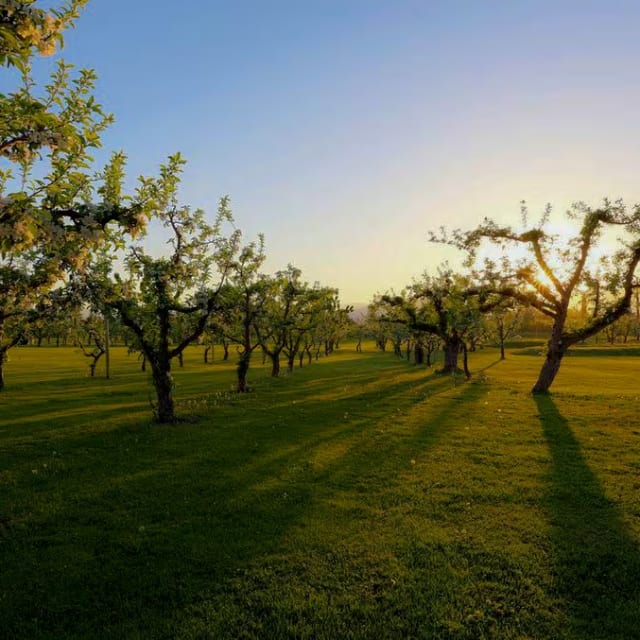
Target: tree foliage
x,y
554,270
54,211
27,29
165,298
448,306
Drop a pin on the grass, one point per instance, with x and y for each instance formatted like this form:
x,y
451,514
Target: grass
x,y
358,498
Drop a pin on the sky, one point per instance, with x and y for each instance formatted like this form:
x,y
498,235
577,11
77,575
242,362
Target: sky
x,y
346,130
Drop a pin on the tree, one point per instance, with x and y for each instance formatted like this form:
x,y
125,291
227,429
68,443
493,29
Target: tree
x,y
280,308
308,322
388,321
548,279
291,310
502,324
448,306
334,320
249,291
167,293
53,211
92,344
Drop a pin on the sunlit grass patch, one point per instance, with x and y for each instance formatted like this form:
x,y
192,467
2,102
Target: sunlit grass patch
x,y
359,497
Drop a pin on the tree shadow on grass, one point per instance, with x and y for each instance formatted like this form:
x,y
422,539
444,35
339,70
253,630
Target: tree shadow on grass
x,y
140,529
596,559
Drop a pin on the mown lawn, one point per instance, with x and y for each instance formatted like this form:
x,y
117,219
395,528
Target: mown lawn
x,y
358,498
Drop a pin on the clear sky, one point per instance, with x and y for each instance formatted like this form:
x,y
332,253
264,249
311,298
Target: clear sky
x,y
346,129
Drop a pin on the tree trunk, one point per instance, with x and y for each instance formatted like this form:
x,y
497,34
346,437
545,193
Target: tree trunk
x,y
502,356
275,364
164,391
291,362
555,352
451,349
243,369
465,361
418,353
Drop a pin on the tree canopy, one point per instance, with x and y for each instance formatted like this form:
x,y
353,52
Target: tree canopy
x,y
554,270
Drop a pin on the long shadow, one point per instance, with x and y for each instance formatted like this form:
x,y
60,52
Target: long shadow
x,y
177,519
596,560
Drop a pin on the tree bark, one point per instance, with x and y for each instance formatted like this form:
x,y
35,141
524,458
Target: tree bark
x,y
243,369
275,364
451,349
465,361
164,391
555,353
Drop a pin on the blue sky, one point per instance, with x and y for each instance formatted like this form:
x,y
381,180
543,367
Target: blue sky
x,y
345,130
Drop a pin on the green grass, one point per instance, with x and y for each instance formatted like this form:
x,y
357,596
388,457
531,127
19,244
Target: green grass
x,y
358,498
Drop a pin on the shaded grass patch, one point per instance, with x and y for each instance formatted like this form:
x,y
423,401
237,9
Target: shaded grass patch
x,y
360,497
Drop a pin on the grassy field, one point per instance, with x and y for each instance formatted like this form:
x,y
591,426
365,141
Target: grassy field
x,y
358,498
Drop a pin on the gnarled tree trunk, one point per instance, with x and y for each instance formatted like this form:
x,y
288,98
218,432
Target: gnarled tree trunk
x,y
451,350
556,348
163,385
555,352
